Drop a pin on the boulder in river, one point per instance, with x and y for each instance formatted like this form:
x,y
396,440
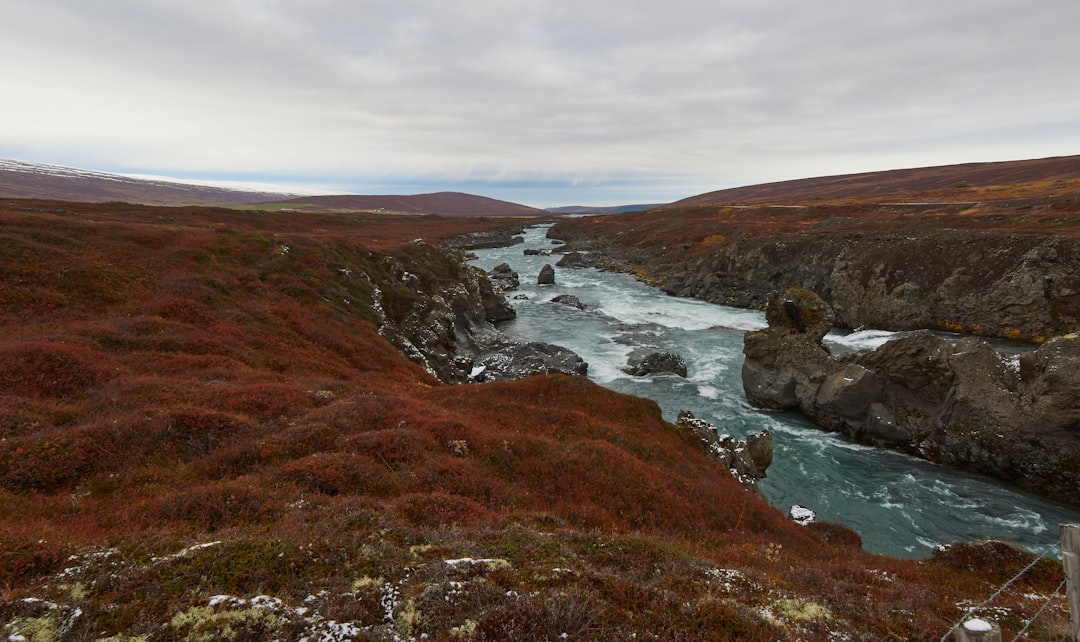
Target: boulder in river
x,y
546,276
521,360
643,362
570,300
504,277
964,405
572,260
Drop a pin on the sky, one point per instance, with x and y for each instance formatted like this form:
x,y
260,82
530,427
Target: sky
x,y
541,102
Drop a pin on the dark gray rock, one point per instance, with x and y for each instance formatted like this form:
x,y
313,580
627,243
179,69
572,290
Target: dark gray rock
x,y
546,276
504,277
643,362
448,321
535,252
570,300
961,405
526,359
573,260
994,284
747,460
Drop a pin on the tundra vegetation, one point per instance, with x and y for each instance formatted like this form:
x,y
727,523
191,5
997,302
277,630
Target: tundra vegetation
x,y
203,436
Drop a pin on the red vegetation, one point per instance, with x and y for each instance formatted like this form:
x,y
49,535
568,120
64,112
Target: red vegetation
x,y
1056,176
444,203
175,376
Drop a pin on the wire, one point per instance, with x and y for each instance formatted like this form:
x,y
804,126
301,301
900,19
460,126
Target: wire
x,y
992,597
1041,609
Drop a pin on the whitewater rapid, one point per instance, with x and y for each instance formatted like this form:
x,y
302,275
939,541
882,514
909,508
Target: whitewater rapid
x,y
900,505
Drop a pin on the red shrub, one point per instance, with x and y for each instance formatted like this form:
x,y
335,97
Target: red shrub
x,y
439,509
267,400
344,473
211,506
41,369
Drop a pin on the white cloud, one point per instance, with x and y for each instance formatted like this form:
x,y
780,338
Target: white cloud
x,y
682,95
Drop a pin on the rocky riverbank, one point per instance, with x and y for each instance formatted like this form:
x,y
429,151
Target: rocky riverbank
x,y
989,283
962,405
443,317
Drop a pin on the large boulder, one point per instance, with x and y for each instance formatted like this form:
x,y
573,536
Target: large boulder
x,y
569,300
546,276
522,360
573,260
643,362
504,277
964,405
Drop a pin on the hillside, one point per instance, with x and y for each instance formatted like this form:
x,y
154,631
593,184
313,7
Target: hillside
x,y
1045,177
442,203
204,436
614,209
37,180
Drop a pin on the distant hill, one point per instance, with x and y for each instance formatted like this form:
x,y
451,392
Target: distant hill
x,y
20,179
947,182
616,209
444,203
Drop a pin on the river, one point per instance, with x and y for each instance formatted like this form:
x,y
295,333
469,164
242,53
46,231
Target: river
x,y
900,505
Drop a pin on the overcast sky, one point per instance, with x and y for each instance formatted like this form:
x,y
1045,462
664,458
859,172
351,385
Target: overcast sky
x,y
544,102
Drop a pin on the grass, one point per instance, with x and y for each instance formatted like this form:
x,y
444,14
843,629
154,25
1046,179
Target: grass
x,y
225,420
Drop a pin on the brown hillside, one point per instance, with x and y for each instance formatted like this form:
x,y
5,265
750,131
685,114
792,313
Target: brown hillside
x,y
204,436
444,203
967,182
27,180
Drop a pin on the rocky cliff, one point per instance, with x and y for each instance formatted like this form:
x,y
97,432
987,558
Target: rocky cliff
x,y
440,311
963,405
989,283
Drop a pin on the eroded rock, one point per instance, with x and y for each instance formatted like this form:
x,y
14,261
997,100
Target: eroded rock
x,y
747,460
962,405
546,276
644,362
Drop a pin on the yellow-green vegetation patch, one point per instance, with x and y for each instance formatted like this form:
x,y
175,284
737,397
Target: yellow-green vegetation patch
x,y
802,610
208,623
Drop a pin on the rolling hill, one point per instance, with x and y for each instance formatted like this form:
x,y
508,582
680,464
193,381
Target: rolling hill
x,y
971,181
442,203
19,179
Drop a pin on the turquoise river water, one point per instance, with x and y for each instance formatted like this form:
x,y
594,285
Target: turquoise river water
x,y
900,505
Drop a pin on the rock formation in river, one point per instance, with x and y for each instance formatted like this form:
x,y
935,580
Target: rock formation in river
x,y
504,277
964,405
643,362
546,276
747,459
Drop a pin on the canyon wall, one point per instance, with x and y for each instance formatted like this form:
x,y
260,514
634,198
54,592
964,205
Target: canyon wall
x,y
1017,286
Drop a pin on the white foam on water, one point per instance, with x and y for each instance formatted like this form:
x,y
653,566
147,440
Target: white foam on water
x,y
861,340
900,505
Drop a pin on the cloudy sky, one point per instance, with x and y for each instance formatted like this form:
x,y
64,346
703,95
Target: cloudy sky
x,y
544,102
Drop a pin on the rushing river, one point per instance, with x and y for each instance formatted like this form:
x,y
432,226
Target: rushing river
x,y
900,505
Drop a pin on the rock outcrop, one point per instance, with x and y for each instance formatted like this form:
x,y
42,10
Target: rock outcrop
x,y
521,360
573,260
747,459
963,405
569,300
440,312
505,278
644,362
546,276
487,239
994,284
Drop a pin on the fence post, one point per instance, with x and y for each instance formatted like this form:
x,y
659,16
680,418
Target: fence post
x,y
1070,558
977,630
